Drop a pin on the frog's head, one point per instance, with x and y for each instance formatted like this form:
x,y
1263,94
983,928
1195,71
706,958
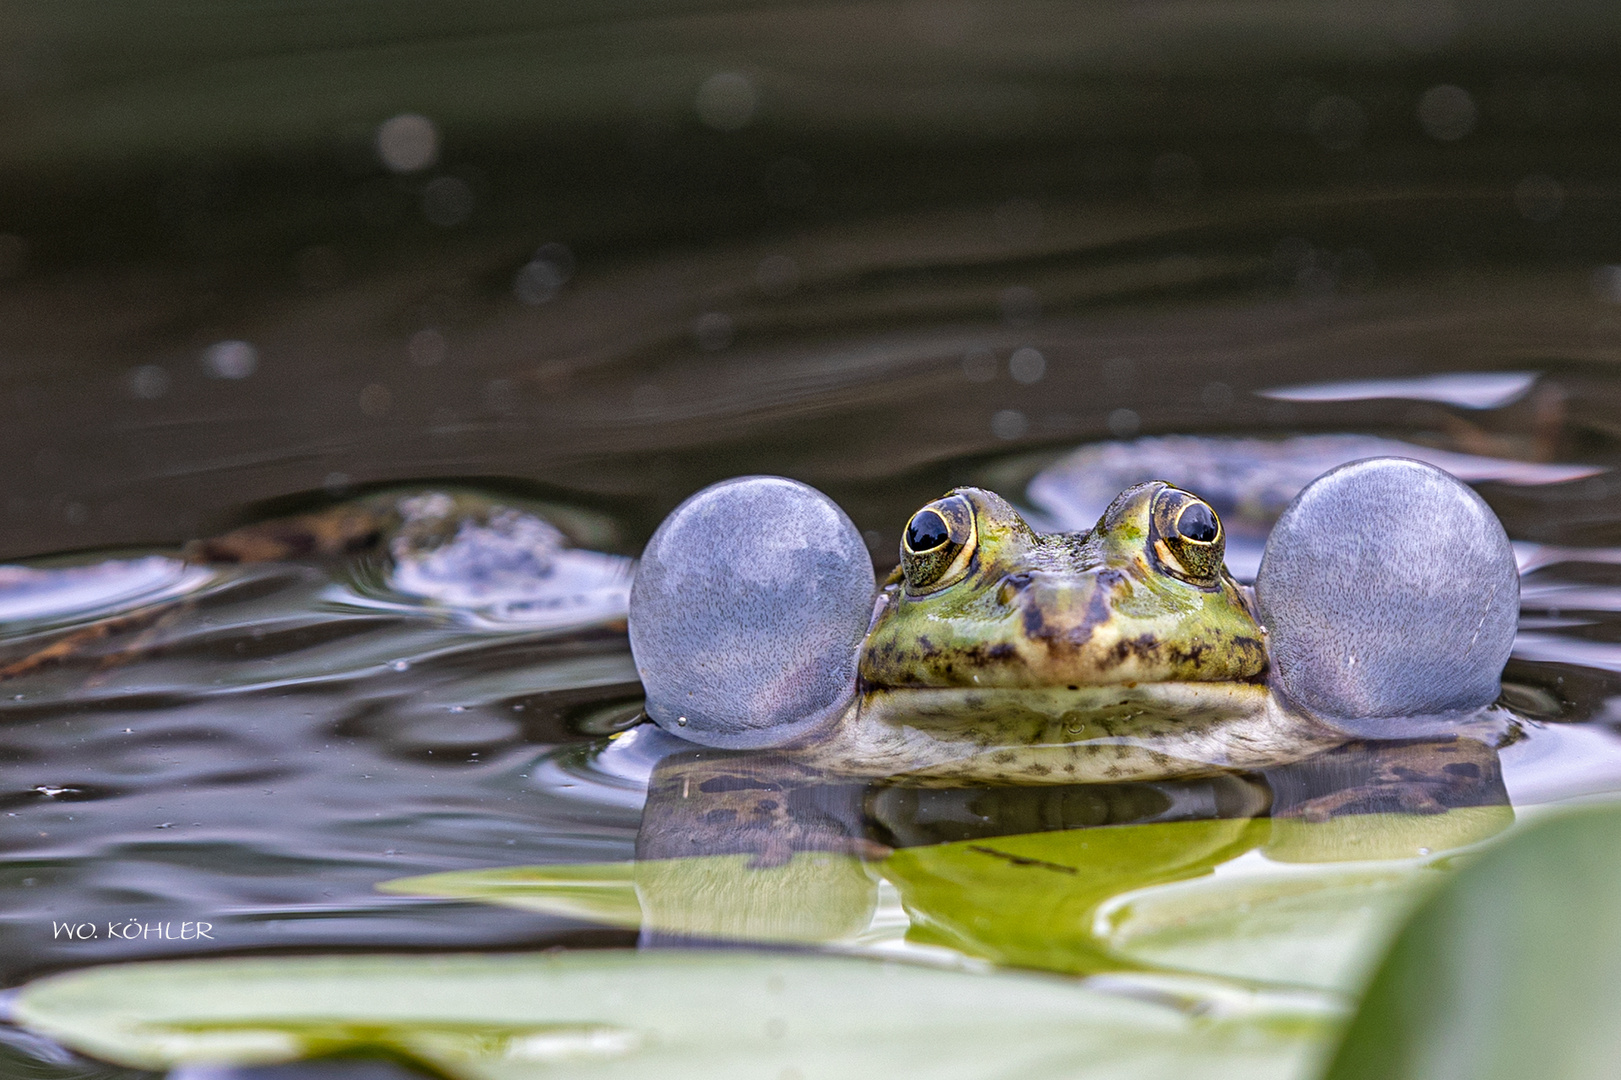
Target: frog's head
x,y
981,599
1388,589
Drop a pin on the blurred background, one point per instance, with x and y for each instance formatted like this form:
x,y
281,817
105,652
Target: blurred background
x,y
265,253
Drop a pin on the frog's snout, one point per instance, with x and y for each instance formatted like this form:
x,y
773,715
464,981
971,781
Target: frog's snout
x,y
1063,613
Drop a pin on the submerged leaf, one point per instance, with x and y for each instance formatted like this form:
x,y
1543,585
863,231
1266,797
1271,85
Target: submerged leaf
x,y
812,897
650,1014
1076,901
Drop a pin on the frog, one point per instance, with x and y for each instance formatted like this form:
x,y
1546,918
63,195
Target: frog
x,y
1385,604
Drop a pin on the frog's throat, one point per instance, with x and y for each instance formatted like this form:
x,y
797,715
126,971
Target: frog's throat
x,y
1093,734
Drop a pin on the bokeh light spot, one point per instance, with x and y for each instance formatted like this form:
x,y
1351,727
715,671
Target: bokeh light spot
x,y
726,101
1124,423
540,279
1447,113
231,359
713,330
407,143
1607,284
1009,424
427,347
148,382
1027,365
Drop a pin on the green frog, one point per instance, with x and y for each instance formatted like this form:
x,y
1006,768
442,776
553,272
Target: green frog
x,y
1124,652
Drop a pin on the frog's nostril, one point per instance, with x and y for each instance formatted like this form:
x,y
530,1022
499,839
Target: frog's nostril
x,y
1012,586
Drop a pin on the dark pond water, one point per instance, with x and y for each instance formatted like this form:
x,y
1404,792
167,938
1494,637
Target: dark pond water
x,y
609,256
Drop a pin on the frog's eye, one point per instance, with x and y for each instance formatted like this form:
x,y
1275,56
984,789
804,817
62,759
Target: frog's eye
x,y
938,544
1187,537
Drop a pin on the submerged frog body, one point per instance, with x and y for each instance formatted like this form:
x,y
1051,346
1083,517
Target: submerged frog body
x,y
1122,652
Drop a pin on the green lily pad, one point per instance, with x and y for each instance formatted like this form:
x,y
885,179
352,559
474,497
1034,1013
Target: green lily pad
x,y
648,1014
1512,970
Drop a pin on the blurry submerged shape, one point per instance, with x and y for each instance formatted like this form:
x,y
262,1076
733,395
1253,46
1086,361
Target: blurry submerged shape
x,y
484,557
1465,389
1248,481
504,564
49,593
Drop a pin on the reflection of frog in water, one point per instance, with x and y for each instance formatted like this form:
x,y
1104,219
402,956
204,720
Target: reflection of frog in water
x,y
755,845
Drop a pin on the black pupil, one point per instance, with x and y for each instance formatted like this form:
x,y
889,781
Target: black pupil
x,y
927,531
1198,522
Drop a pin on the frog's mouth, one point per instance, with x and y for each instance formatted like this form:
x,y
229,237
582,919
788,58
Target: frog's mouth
x,y
1064,713
1085,735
